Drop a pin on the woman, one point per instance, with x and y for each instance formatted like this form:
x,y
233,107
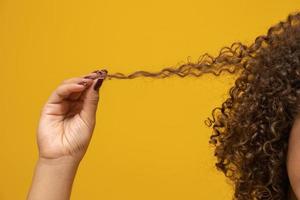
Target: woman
x,y
256,133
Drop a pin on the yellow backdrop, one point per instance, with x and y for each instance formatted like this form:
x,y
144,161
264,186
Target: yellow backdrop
x,y
150,141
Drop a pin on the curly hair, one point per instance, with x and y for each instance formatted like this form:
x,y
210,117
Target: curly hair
x,y
251,128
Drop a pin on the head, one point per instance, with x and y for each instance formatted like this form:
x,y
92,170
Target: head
x,y
251,129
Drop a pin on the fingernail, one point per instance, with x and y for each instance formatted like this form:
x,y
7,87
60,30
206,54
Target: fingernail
x,y
104,70
98,84
103,73
100,71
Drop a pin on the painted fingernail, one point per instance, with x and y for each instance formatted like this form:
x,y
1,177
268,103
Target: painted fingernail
x,y
103,73
98,84
100,71
104,70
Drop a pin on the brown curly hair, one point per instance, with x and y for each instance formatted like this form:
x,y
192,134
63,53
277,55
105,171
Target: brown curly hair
x,y
251,128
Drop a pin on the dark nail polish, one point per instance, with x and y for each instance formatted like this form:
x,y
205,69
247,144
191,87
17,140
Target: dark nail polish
x,y
98,84
103,74
104,70
100,71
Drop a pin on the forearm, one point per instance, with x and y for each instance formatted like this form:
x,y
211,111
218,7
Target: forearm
x,y
53,179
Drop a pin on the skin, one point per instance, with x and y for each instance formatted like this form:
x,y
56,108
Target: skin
x,y
64,132
293,159
65,129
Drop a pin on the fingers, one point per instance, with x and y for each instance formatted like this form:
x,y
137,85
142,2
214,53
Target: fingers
x,y
64,91
76,95
72,88
84,88
91,98
94,75
90,76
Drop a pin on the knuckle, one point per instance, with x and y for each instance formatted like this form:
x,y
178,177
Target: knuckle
x,y
93,100
60,90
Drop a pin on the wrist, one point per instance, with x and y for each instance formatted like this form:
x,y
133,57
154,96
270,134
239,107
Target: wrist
x,y
53,178
66,161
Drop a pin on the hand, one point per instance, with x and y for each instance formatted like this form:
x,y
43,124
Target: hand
x,y
68,118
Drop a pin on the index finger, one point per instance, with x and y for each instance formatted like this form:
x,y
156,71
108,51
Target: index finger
x,y
64,91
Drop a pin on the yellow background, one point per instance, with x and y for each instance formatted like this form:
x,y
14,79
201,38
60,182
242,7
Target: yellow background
x,y
150,141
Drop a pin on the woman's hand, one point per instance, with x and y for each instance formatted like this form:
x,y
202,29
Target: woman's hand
x,y
65,129
68,118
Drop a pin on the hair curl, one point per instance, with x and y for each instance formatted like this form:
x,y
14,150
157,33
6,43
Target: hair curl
x,y
251,128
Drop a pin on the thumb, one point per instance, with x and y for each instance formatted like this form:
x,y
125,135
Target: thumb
x,y
91,98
